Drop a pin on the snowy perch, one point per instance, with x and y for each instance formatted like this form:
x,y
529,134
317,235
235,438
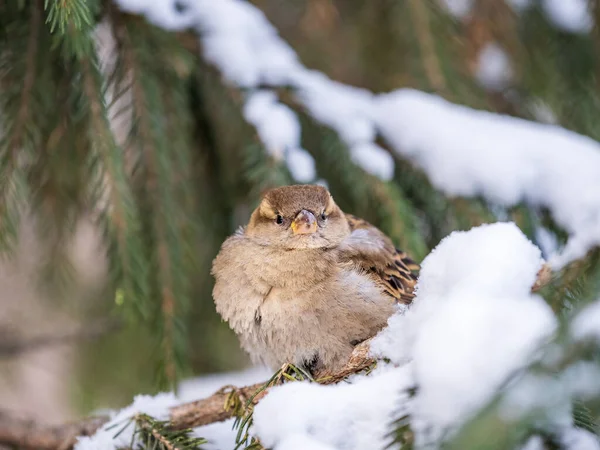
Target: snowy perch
x,y
486,243
27,433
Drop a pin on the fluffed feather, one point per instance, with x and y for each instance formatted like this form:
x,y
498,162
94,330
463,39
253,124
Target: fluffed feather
x,y
372,251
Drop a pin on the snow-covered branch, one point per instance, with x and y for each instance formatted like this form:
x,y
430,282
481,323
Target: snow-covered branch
x,y
465,152
475,327
461,310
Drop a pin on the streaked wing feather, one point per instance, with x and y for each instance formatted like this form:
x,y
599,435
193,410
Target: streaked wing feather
x,y
371,250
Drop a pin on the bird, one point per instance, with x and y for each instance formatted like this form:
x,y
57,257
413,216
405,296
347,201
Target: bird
x,y
303,282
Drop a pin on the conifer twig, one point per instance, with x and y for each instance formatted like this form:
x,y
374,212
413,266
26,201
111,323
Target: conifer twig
x,y
433,71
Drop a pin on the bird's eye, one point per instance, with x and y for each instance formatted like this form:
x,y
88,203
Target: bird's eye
x,y
279,219
323,216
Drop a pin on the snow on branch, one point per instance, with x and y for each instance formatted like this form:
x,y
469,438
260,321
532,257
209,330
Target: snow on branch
x,y
474,320
473,287
572,16
506,160
473,325
464,152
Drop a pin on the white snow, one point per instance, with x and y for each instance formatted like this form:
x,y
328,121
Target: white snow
x,y
494,71
374,160
237,38
301,165
220,435
547,241
278,128
458,8
474,323
302,442
470,347
542,112
349,416
158,12
344,108
573,16
534,443
157,407
504,159
579,439
586,324
571,438
550,396
276,124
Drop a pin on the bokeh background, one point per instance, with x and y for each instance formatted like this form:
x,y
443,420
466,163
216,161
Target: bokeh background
x,y
79,328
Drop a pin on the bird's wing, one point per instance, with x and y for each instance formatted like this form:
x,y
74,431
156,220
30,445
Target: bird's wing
x,y
372,251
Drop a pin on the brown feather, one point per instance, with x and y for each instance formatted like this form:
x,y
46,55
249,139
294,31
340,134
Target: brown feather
x,y
389,266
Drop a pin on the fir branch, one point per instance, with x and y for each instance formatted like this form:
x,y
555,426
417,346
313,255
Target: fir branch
x,y
584,418
12,174
46,173
244,414
160,134
426,42
575,285
153,434
62,13
15,141
250,169
263,172
120,217
58,175
397,216
142,105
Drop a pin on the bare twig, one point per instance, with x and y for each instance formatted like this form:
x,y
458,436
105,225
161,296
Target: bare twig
x,y
359,361
25,433
544,276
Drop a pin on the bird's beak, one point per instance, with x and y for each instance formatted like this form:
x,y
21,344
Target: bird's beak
x,y
304,223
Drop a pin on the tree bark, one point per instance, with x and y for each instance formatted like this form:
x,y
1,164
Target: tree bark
x,y
28,434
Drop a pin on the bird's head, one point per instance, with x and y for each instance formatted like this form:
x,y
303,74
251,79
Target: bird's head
x,y
298,217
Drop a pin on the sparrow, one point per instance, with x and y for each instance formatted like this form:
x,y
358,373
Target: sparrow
x,y
303,282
